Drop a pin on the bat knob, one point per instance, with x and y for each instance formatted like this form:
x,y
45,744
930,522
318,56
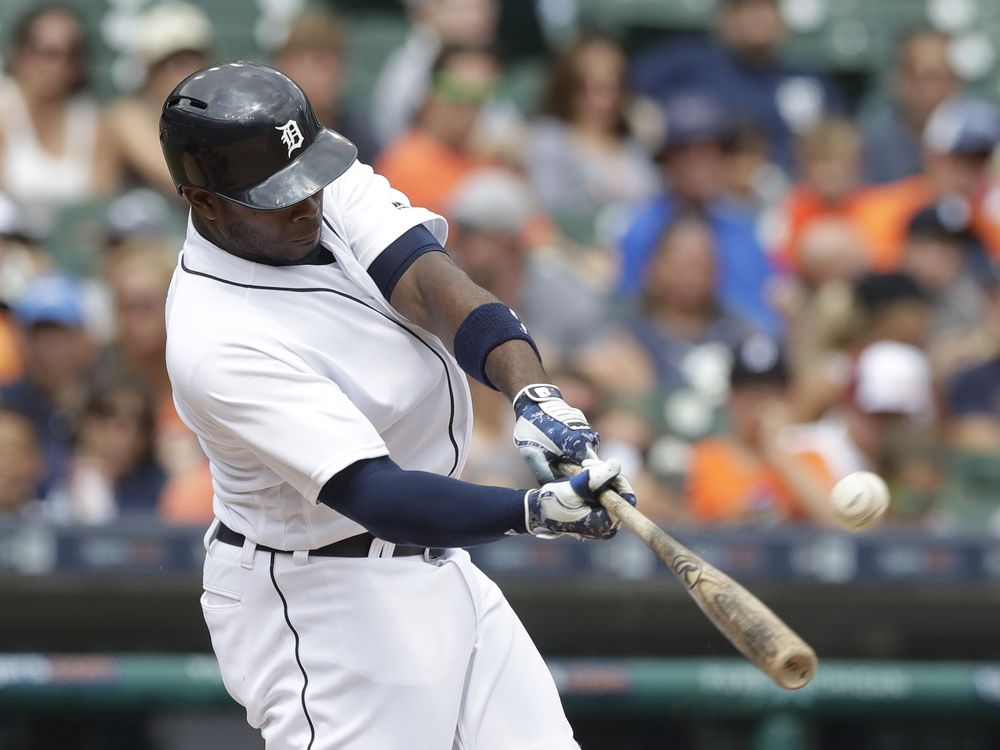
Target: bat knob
x,y
797,670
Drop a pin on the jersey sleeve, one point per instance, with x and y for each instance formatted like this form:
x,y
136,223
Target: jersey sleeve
x,y
372,214
298,424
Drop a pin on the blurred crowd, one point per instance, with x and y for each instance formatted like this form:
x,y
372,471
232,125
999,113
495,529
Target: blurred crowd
x,y
750,282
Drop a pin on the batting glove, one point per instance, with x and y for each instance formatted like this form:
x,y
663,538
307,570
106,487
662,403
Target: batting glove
x,y
569,507
548,431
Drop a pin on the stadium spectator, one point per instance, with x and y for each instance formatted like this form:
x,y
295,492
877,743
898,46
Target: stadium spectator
x,y
55,147
891,391
21,465
314,55
407,75
429,161
752,181
112,471
818,308
138,276
958,141
973,394
750,475
579,156
829,157
893,307
677,342
945,260
21,259
741,66
56,354
692,175
921,79
173,40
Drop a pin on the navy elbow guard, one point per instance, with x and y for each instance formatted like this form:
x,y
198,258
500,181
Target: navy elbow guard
x,y
482,331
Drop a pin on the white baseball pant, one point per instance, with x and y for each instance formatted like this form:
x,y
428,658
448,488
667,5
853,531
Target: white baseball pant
x,y
376,653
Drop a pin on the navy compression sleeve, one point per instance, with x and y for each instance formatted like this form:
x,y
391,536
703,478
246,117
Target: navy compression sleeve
x,y
420,508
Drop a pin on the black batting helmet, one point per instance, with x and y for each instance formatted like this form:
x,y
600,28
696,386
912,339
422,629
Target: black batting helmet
x,y
248,133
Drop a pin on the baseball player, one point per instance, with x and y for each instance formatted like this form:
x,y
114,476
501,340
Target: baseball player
x,y
317,337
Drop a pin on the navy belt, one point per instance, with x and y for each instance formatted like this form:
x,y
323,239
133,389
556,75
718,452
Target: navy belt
x,y
353,546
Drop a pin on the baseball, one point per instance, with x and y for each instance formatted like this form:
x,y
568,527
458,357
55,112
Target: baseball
x,y
860,499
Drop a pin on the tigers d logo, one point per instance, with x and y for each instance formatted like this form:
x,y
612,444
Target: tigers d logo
x,y
291,136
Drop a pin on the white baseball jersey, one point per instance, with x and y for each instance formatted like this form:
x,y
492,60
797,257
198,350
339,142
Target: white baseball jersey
x,y
288,374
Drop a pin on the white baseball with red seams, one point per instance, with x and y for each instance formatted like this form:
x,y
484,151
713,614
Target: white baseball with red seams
x,y
859,500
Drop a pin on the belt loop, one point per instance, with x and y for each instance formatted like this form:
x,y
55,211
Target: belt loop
x,y
300,557
210,534
246,556
381,548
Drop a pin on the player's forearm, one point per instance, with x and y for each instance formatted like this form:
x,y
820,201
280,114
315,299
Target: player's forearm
x,y
439,296
423,509
514,365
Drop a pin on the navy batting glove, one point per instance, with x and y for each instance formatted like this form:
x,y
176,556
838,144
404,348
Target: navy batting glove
x,y
548,431
569,507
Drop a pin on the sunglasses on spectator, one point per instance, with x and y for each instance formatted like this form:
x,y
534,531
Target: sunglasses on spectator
x,y
450,89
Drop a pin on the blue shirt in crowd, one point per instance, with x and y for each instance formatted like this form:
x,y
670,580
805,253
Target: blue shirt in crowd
x,y
976,391
773,98
743,269
891,148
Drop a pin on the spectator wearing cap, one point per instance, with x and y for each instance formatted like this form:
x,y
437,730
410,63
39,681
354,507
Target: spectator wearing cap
x,y
692,165
921,79
750,475
946,260
173,40
893,306
580,157
429,161
958,142
314,55
741,66
891,390
56,354
56,149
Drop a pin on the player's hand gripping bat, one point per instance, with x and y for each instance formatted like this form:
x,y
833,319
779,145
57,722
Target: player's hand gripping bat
x,y
748,624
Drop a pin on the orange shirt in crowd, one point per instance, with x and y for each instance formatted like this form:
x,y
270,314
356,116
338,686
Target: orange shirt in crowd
x,y
10,360
803,205
884,213
725,483
187,498
424,169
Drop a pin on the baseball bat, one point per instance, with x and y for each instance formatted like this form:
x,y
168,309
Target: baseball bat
x,y
772,646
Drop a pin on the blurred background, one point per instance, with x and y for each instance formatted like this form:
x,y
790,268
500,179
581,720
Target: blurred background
x,y
756,240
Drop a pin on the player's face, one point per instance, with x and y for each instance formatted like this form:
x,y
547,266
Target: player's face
x,y
279,238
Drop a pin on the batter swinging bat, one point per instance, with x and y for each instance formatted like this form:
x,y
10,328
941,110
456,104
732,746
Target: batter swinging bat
x,y
748,624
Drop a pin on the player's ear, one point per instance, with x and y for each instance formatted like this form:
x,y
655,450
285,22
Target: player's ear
x,y
202,201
